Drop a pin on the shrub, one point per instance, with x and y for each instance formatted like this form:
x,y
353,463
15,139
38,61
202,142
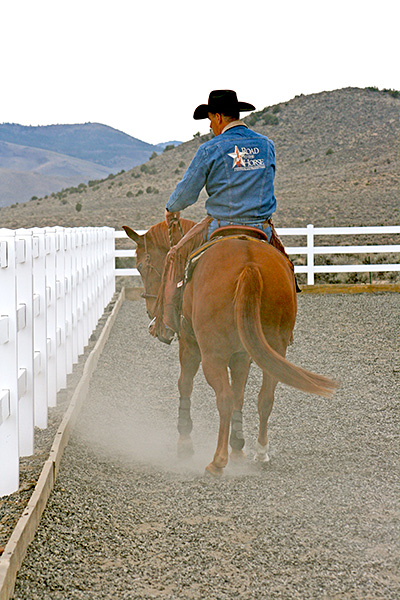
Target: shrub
x,y
139,192
78,207
129,194
149,189
329,151
148,170
168,147
270,119
276,109
252,119
181,164
34,198
153,155
135,175
393,93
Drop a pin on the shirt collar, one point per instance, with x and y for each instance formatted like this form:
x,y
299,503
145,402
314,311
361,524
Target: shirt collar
x,y
233,124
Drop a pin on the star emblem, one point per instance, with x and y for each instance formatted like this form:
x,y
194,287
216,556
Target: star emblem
x,y
237,157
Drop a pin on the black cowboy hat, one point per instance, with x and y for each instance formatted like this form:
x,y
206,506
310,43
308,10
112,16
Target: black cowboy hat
x,y
221,101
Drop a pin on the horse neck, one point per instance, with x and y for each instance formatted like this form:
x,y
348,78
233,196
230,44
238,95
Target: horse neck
x,y
158,237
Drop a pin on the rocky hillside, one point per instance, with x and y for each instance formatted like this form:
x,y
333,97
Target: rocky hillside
x,y
338,163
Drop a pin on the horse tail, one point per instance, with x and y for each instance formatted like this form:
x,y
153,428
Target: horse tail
x,y
247,302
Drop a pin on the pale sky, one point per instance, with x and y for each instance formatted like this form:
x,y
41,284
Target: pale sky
x,y
143,66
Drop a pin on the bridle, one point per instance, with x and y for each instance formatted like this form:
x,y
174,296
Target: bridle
x,y
147,259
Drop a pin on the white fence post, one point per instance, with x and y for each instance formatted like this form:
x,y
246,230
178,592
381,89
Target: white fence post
x,y
310,254
9,451
68,300
40,328
110,264
25,339
60,309
74,293
50,238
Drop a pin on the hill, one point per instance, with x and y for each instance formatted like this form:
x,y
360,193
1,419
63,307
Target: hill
x,y
27,172
35,161
338,163
92,142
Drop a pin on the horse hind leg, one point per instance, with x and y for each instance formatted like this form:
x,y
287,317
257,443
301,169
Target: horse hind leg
x,y
216,374
265,404
239,366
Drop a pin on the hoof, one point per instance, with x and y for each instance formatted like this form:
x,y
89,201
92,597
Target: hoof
x,y
238,456
185,448
261,454
211,469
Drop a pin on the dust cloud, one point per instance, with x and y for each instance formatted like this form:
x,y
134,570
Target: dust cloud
x,y
145,432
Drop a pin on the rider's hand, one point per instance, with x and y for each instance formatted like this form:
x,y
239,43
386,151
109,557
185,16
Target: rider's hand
x,y
171,217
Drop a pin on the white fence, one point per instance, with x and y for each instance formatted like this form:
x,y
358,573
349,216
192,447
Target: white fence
x,y
54,286
310,250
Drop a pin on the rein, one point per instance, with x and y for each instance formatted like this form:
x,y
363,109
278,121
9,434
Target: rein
x,y
172,221
148,264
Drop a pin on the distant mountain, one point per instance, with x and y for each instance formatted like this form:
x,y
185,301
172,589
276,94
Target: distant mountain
x,y
93,142
27,172
36,161
161,147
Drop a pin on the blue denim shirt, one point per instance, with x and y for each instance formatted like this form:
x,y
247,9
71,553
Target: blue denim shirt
x,y
238,168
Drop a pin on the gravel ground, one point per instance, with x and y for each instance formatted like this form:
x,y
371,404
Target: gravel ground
x,y
13,505
126,520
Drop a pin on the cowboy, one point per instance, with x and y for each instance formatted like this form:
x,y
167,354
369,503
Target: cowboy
x,y
237,168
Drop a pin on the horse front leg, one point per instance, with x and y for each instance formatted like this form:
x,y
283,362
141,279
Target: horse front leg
x,y
265,404
189,357
239,366
216,374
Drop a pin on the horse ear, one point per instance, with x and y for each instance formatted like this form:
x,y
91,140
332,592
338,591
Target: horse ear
x,y
132,234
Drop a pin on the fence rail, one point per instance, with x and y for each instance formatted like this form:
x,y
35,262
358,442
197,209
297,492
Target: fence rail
x,y
54,286
310,250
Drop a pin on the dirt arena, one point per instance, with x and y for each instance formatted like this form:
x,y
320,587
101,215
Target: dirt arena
x,y
127,520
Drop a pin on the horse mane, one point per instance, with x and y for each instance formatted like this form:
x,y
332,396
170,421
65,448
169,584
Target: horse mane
x,y
158,234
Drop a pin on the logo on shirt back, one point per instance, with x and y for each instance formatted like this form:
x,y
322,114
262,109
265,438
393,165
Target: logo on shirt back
x,y
246,159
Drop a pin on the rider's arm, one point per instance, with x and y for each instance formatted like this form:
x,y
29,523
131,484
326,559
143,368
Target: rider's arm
x,y
188,189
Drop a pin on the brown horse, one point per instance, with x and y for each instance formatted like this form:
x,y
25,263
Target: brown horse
x,y
240,305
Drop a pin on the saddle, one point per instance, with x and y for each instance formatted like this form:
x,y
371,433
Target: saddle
x,y
238,230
